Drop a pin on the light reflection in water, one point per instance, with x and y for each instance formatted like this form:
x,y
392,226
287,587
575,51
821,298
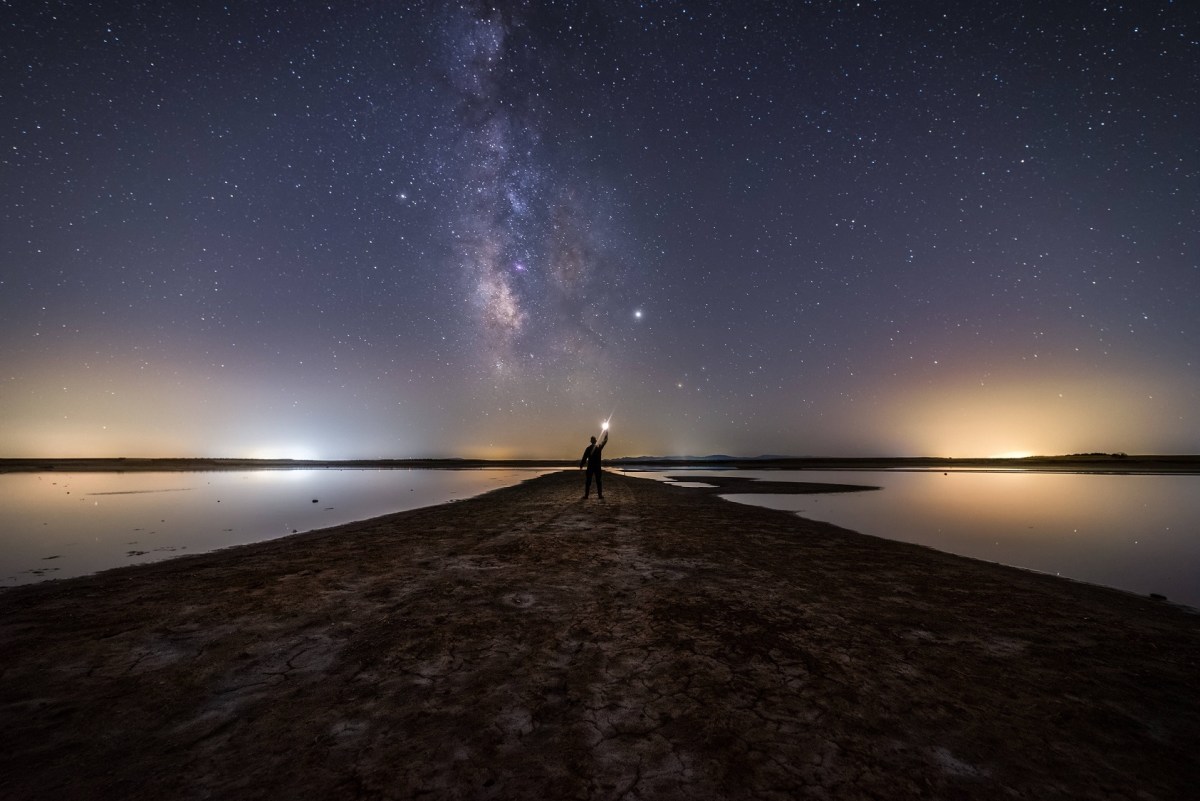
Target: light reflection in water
x,y
1140,533
58,525
1136,532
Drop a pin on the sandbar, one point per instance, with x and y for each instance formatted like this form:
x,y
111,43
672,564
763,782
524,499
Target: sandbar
x,y
662,643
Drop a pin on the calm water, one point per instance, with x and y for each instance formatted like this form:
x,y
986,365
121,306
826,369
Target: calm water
x,y
69,524
1138,533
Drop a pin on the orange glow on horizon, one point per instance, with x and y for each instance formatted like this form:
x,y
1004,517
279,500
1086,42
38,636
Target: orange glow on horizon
x,y
1020,416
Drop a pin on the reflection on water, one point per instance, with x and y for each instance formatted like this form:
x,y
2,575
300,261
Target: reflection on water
x,y
1137,532
69,524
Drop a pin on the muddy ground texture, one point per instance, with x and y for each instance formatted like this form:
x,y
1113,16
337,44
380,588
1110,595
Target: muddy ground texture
x,y
659,644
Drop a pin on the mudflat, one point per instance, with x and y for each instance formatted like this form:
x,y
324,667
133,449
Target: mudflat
x,y
660,644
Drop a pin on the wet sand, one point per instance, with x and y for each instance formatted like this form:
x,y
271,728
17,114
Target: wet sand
x,y
660,644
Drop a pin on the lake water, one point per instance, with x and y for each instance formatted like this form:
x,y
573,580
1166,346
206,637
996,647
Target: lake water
x,y
58,525
1136,532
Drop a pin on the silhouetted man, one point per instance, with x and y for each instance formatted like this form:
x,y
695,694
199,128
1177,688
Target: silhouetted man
x,y
591,459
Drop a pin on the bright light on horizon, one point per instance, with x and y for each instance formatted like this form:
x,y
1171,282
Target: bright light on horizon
x,y
296,452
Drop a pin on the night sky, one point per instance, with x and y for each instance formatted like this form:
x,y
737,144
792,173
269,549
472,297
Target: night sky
x,y
354,230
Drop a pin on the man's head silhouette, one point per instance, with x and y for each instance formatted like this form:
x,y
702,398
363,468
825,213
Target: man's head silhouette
x,y
593,440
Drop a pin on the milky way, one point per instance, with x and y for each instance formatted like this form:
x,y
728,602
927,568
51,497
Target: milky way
x,y
368,229
528,220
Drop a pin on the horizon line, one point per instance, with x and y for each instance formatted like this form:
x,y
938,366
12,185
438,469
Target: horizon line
x,y
1115,456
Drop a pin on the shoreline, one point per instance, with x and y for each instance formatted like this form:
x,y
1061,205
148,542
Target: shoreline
x,y
664,643
1145,464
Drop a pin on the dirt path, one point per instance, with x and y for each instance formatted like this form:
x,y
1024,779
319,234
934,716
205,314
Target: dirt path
x,y
661,644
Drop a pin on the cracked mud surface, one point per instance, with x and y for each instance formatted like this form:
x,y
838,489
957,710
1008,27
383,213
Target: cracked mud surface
x,y
659,644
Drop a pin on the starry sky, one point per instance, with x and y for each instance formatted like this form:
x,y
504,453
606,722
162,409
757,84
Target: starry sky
x,y
387,229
